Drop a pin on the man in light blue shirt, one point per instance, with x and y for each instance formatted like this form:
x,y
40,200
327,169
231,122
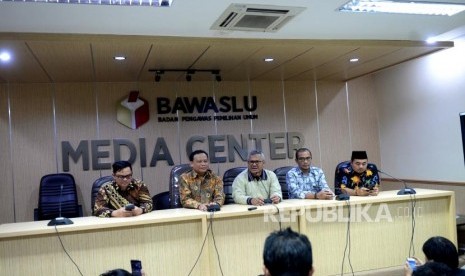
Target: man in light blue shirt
x,y
305,181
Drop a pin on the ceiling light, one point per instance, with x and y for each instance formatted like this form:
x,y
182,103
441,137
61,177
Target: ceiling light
x,y
154,3
353,60
410,7
431,40
5,56
119,58
268,59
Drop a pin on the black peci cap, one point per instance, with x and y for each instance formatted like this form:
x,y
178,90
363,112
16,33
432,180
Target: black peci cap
x,y
359,155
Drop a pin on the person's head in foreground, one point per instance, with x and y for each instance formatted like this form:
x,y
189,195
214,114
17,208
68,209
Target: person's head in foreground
x,y
441,250
287,253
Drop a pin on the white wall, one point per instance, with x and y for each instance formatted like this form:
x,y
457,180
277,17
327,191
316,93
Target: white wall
x,y
418,107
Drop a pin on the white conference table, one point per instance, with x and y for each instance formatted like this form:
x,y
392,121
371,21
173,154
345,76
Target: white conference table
x,y
168,242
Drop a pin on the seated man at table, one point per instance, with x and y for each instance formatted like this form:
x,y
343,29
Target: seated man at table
x,y
115,195
255,185
287,253
306,181
357,177
200,187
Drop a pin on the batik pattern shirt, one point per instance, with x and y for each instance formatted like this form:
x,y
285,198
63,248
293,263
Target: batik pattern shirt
x,y
346,177
195,189
110,197
299,183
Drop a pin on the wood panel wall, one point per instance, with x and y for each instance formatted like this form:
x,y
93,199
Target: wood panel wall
x,y
334,118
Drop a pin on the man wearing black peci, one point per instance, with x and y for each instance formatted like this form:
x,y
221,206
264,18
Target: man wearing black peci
x,y
357,177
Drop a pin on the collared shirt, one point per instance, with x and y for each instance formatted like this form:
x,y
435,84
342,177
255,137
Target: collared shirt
x,y
110,197
300,183
195,189
346,177
245,186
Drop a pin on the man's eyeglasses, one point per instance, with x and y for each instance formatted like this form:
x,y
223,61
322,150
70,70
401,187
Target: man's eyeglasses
x,y
124,177
302,159
254,162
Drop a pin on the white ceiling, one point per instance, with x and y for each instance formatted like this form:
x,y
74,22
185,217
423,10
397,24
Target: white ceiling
x,y
193,18
76,43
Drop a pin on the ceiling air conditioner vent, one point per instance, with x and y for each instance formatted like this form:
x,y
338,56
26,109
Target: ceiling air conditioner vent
x,y
255,18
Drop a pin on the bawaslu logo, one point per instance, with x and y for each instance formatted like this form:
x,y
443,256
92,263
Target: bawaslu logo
x,y
133,111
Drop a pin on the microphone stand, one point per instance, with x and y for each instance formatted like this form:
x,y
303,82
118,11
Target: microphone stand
x,y
60,220
406,190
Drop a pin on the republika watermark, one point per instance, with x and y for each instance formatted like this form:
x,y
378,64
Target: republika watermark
x,y
343,213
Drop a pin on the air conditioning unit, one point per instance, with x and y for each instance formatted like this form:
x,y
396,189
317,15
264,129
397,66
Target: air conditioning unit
x,y
255,18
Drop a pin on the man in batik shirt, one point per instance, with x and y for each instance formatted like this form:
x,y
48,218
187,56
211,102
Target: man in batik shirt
x,y
357,177
114,195
200,187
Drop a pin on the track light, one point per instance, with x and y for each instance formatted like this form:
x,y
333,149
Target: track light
x,y
189,73
158,74
217,75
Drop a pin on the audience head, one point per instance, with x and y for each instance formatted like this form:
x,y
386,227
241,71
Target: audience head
x,y
287,253
441,250
117,272
359,161
122,173
199,161
255,161
303,158
432,269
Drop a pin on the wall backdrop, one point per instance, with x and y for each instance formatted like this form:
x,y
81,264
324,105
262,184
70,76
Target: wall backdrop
x,y
334,118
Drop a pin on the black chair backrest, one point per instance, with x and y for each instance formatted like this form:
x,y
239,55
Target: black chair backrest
x,y
175,174
228,179
161,201
57,191
281,173
96,187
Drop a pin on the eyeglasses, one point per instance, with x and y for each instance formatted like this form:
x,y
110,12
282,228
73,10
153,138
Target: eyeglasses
x,y
124,177
302,159
254,162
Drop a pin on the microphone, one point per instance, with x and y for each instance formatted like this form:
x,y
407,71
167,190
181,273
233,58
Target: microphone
x,y
406,190
60,220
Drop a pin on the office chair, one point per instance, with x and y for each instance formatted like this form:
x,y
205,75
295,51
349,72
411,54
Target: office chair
x,y
96,187
57,197
175,174
281,173
228,179
161,201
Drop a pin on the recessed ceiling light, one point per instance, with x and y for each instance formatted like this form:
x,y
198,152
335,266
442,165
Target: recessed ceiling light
x,y
119,57
4,56
406,7
431,40
353,60
268,59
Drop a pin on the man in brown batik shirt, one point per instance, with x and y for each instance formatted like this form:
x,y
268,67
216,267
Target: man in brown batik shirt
x,y
200,187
